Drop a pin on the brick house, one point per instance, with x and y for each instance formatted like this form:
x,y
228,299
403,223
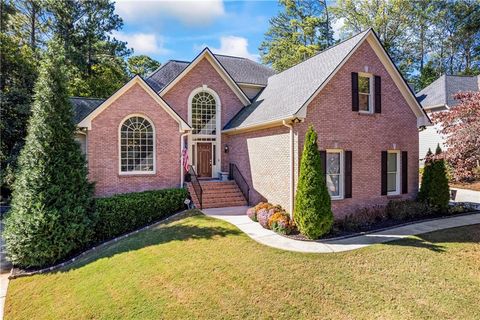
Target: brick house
x,y
233,114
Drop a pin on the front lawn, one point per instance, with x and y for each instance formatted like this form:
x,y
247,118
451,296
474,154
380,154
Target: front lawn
x,y
199,267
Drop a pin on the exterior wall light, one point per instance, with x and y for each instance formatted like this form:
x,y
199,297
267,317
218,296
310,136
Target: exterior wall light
x,y
226,149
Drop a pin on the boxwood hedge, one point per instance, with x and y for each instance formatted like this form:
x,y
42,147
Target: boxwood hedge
x,y
123,213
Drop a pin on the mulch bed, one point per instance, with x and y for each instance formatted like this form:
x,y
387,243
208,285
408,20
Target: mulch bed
x,y
337,233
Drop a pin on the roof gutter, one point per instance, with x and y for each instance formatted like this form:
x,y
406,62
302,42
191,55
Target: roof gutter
x,y
261,125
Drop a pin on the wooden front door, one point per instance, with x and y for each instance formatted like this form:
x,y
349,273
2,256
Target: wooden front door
x,y
204,159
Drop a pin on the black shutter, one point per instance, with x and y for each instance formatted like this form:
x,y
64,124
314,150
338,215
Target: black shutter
x,y
404,172
348,174
384,172
323,157
354,91
378,94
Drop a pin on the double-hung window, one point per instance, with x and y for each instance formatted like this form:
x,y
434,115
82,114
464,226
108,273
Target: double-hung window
x,y
334,173
365,89
393,172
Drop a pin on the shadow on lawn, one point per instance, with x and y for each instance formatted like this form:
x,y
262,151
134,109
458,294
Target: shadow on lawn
x,y
163,233
438,241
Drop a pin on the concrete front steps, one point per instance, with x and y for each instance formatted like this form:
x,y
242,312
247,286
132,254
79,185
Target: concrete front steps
x,y
218,194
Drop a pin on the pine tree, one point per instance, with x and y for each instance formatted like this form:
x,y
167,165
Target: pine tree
x,y
51,215
313,212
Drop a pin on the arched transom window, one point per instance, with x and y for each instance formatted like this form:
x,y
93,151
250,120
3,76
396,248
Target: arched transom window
x,y
204,114
137,145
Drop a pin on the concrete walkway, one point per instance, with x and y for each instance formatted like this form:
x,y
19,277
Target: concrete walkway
x,y
237,217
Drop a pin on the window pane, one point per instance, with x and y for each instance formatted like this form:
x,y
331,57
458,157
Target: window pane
x,y
136,151
333,185
333,163
363,102
392,162
204,114
392,182
364,84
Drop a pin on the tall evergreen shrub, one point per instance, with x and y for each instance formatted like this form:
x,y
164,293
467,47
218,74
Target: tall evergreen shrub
x,y
426,177
439,195
51,215
313,213
434,188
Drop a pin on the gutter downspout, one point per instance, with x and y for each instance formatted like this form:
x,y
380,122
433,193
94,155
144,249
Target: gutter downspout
x,y
292,182
182,146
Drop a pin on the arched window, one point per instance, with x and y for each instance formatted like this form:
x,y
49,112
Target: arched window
x,y
137,145
204,114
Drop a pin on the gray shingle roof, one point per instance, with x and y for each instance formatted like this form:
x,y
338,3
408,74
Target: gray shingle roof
x,y
82,107
244,70
442,90
241,70
165,74
288,91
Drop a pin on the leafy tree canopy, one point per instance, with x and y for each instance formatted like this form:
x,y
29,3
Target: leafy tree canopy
x,y
301,29
142,65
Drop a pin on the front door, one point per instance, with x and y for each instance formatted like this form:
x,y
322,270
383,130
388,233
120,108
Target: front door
x,y
204,159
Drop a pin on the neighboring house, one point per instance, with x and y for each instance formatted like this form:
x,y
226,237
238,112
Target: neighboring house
x,y
229,110
436,97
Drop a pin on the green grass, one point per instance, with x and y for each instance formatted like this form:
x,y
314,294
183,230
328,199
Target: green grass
x,y
198,267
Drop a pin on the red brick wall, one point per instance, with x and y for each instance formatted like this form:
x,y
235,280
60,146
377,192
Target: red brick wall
x,y
366,135
339,127
103,149
204,74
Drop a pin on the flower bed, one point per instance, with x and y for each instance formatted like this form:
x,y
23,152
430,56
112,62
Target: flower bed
x,y
271,217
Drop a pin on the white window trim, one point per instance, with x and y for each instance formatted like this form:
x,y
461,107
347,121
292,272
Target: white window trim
x,y
371,94
341,183
119,139
218,137
397,176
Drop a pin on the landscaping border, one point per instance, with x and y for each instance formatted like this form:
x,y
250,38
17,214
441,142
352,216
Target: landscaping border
x,y
362,233
17,273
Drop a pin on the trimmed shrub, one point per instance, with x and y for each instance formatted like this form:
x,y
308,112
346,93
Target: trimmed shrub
x,y
407,209
280,222
252,214
313,212
434,189
51,216
123,213
362,219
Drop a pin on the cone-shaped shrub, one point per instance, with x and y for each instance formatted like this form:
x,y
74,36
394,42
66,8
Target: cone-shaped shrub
x,y
426,177
313,213
434,189
51,215
439,194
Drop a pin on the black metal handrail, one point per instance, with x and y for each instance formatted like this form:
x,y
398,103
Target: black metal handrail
x,y
235,174
197,187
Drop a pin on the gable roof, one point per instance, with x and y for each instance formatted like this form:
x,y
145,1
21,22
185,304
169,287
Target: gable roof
x,y
441,91
208,55
87,121
242,70
288,93
82,107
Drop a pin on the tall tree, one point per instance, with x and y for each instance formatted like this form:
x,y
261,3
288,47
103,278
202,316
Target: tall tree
x,y
51,214
17,77
95,58
301,29
387,17
142,65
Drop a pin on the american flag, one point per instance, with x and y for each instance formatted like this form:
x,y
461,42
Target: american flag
x,y
185,159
